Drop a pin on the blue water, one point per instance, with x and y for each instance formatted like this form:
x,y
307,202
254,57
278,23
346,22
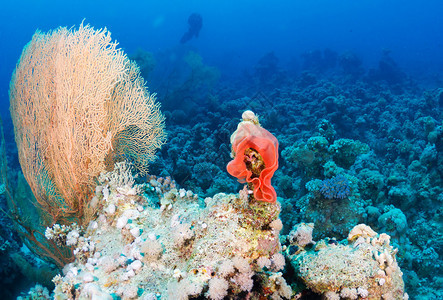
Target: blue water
x,y
286,59
236,34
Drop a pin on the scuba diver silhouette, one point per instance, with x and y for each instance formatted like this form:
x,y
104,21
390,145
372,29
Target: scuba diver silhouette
x,y
195,24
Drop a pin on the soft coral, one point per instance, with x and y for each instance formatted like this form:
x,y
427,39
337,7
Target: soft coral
x,y
256,158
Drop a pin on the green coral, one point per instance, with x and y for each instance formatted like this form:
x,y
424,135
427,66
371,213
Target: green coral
x,y
346,151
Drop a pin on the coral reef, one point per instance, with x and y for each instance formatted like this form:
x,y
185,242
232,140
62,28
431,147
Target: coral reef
x,y
357,146
147,243
363,267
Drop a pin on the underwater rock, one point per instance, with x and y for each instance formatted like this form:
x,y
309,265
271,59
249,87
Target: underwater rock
x,y
363,267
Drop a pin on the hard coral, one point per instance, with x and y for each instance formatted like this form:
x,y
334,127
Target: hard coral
x,y
364,267
337,187
256,157
177,248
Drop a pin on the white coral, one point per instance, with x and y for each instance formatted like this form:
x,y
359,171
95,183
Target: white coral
x,y
330,295
226,268
362,292
72,238
349,293
278,261
301,234
263,262
218,288
182,234
241,264
361,230
151,249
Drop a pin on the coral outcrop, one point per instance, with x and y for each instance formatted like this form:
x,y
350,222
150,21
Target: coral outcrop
x,y
362,267
151,244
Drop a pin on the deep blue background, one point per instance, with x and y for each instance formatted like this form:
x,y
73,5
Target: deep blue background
x,y
236,34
